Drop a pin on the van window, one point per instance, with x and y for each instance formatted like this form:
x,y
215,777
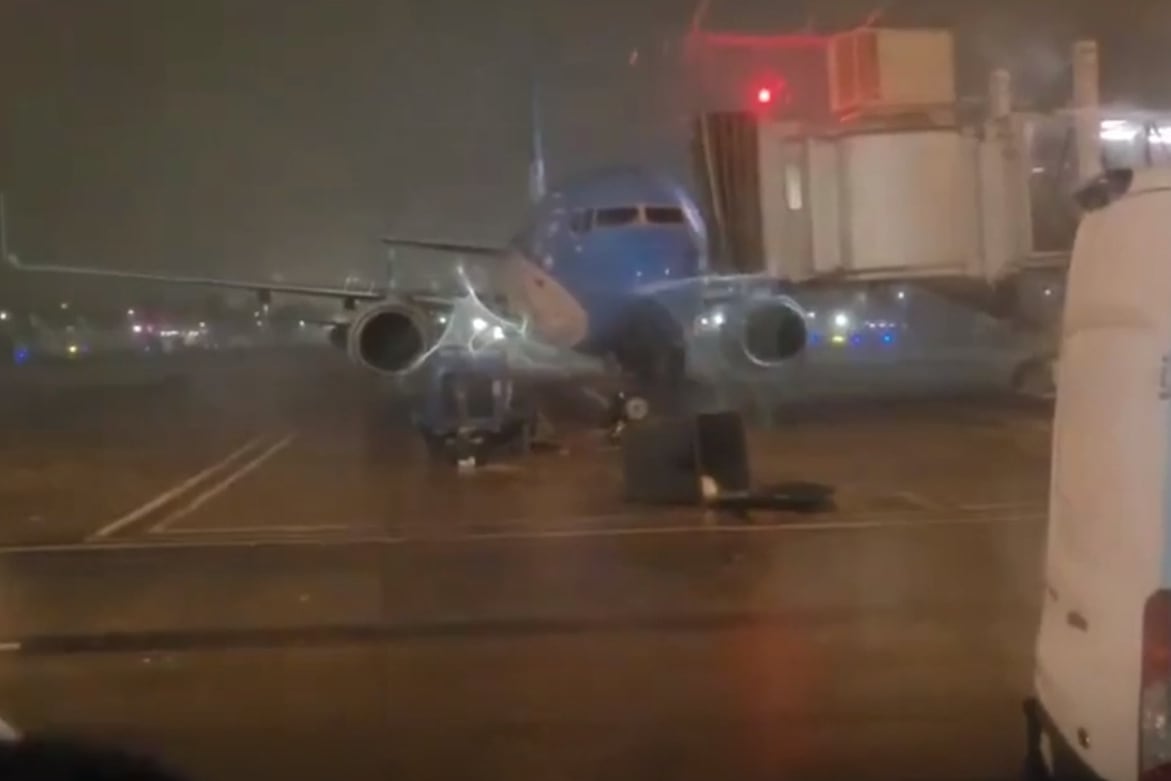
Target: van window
x,y
615,216
664,215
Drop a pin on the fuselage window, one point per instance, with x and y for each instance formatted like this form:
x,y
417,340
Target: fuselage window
x,y
664,215
615,216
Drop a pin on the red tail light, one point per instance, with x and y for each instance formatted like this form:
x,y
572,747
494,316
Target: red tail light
x,y
1155,696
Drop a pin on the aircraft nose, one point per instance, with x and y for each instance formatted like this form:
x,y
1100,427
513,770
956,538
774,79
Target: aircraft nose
x,y
664,256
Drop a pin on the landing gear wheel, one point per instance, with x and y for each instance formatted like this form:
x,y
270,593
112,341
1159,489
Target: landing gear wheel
x,y
636,409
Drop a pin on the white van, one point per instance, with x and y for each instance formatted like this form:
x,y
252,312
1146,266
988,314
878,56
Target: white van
x,y
1103,665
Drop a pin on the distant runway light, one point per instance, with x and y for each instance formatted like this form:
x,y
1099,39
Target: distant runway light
x,y
3,315
497,332
1048,291
64,304
479,324
901,295
130,313
842,320
136,328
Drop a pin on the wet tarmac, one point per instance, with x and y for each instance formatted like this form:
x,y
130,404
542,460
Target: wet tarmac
x,y
248,567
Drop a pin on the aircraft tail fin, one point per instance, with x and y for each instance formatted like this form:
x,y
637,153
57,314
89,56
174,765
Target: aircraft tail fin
x,y
537,185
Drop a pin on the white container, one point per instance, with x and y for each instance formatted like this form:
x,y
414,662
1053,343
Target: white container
x,y
876,71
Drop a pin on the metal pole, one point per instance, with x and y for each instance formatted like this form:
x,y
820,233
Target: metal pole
x,y
1086,101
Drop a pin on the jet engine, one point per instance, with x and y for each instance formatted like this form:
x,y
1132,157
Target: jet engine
x,y
388,338
765,332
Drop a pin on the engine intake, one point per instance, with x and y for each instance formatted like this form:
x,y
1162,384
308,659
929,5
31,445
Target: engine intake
x,y
767,333
774,332
388,338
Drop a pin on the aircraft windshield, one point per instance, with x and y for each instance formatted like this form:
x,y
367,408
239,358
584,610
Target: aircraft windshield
x,y
664,215
615,216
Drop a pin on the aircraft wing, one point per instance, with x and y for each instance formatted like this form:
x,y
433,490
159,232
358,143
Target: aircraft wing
x,y
230,284
715,288
444,245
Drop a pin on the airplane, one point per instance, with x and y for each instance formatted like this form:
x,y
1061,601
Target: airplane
x,y
611,265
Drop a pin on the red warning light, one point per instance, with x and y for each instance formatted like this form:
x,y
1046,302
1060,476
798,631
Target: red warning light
x,y
764,96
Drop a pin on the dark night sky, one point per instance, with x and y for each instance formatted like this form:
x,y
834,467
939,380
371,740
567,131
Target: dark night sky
x,y
251,136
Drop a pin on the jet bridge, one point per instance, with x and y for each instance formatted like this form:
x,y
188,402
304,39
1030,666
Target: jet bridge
x,y
905,183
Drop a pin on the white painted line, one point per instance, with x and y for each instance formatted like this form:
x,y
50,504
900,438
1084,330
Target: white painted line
x,y
917,500
170,494
227,482
989,506
163,543
308,529
777,528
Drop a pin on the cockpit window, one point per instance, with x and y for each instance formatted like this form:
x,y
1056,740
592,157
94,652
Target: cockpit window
x,y
664,215
579,221
615,216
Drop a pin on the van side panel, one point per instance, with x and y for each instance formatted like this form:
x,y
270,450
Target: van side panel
x,y
1108,496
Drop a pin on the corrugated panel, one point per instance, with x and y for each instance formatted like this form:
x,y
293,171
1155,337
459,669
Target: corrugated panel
x,y
726,157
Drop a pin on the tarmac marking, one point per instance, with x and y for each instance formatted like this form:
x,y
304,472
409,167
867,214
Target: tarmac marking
x,y
727,528
223,484
917,500
287,529
801,527
175,491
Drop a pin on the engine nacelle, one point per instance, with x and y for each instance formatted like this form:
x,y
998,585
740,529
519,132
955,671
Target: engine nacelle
x,y
389,338
766,332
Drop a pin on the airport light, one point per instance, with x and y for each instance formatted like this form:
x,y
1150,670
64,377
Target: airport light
x,y
842,320
130,313
718,319
203,325
64,305
764,96
73,349
136,328
3,314
1048,291
901,295
300,324
497,333
479,324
